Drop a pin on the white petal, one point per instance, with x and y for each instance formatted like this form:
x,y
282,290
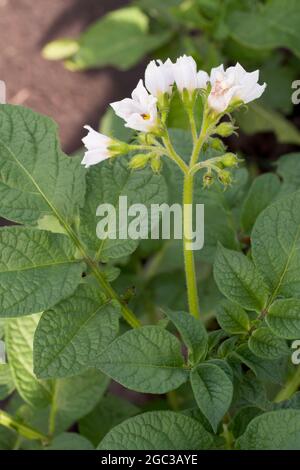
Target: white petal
x,y
126,107
92,157
95,140
202,79
140,93
216,72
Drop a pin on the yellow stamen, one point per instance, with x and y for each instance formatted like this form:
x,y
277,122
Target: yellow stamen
x,y
146,117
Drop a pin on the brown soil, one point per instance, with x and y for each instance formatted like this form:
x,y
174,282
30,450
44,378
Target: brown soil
x,y
72,99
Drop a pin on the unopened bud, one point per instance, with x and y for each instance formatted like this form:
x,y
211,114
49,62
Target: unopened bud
x,y
217,144
207,180
229,160
156,164
139,161
225,129
118,148
225,177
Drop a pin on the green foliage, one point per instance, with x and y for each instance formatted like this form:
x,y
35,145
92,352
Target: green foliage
x,y
158,430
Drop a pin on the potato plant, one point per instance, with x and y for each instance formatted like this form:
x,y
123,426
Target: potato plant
x,y
209,335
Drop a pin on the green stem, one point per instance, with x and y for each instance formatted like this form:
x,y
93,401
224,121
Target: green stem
x,y
128,315
173,154
193,126
189,262
29,433
290,387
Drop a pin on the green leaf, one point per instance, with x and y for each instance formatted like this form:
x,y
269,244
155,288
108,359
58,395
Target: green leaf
x,y
71,336
7,385
264,344
259,118
242,418
60,49
158,430
19,342
74,397
238,279
213,392
107,183
120,38
274,25
147,359
37,269
192,332
232,318
272,431
70,441
37,178
283,318
265,369
263,190
110,412
276,246
288,168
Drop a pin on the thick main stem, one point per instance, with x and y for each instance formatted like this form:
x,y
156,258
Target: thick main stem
x,y
189,261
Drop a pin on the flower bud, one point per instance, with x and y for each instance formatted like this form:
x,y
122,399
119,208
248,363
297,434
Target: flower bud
x,y
156,164
217,144
225,177
229,160
139,161
225,129
118,148
207,180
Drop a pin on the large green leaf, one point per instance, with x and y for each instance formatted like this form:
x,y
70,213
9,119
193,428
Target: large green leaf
x,y
262,192
74,397
158,430
288,168
213,392
284,318
19,342
107,183
276,246
239,280
147,359
7,385
36,178
70,441
276,430
120,38
37,269
110,412
71,336
264,344
232,318
192,332
274,25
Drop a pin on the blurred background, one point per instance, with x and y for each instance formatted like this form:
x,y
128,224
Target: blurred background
x,y
69,59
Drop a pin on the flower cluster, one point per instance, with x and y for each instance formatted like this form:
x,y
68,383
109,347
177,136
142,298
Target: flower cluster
x,y
223,91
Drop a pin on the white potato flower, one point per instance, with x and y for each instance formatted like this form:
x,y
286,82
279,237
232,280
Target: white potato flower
x,y
233,84
2,92
186,75
140,111
159,77
97,146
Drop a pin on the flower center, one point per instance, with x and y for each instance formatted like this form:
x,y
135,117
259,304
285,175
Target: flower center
x,y
146,116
